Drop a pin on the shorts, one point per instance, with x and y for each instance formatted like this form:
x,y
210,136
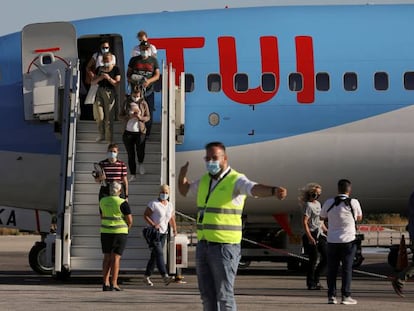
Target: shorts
x,y
113,243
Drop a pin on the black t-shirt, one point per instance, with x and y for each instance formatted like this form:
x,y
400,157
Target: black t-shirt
x,y
144,67
113,73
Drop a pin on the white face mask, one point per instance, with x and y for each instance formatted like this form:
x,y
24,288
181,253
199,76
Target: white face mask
x,y
134,99
164,196
213,167
104,50
107,64
112,155
144,53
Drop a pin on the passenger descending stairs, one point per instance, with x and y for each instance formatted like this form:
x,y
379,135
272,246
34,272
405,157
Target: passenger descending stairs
x,y
86,251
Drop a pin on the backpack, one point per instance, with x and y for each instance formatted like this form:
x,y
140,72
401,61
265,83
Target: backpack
x,y
347,201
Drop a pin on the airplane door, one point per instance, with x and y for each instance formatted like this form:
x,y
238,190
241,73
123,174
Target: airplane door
x,y
47,51
87,46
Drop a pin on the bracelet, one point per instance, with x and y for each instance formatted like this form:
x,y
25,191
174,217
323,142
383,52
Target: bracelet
x,y
273,190
126,195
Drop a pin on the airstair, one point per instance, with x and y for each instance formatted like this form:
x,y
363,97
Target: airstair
x,y
78,244
86,247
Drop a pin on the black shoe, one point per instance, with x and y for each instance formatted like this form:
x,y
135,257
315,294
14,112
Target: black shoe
x,y
107,288
315,287
397,287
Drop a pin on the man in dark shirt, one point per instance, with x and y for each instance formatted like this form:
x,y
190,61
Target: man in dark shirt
x,y
144,70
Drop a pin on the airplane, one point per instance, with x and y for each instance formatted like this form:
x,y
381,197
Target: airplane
x,y
298,94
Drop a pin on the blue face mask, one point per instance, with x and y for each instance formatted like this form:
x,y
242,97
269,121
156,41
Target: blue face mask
x,y
112,155
164,196
213,167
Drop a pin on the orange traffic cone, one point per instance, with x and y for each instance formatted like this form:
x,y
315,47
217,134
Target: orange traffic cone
x,y
402,259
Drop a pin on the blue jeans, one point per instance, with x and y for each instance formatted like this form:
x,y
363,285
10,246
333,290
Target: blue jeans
x,y
216,266
157,257
340,253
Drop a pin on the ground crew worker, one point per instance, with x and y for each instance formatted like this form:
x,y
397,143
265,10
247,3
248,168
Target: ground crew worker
x,y
116,220
221,194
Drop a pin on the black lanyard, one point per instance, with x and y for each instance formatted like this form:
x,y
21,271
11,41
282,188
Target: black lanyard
x,y
210,190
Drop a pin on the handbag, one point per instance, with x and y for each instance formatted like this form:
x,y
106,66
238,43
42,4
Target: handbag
x,y
151,235
90,97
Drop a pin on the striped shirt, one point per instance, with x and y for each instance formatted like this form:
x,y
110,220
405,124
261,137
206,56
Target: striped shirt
x,y
114,171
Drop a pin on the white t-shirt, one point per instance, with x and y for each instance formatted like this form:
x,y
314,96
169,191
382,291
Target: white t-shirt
x,y
136,51
133,123
341,222
161,214
312,210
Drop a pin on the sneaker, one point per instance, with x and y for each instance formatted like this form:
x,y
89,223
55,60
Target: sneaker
x,y
147,281
348,301
141,169
332,300
167,280
397,287
132,178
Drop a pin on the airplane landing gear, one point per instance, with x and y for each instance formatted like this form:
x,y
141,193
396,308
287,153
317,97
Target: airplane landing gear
x,y
38,259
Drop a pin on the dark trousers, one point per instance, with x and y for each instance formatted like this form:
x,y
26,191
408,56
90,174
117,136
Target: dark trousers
x,y
340,253
151,105
134,143
315,252
157,257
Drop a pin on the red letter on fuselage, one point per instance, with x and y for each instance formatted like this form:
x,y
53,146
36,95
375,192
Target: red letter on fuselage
x,y
305,66
174,51
228,69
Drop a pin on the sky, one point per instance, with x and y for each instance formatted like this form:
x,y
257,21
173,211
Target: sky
x,y
18,13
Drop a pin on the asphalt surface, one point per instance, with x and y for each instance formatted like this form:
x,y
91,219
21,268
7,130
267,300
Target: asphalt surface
x,y
265,286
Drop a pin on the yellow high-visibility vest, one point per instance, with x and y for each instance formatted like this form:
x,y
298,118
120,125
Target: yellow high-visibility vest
x,y
112,220
219,218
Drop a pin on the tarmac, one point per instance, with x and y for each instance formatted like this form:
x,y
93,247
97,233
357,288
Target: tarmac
x,y
264,286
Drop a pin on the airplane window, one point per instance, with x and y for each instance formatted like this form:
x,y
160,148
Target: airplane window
x,y
214,82
241,82
189,83
268,82
322,81
295,82
381,81
350,81
409,80
158,84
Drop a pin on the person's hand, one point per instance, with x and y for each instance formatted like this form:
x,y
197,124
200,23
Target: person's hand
x,y
281,193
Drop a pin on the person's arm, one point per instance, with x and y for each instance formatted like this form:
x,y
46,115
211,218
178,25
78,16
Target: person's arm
x,y
148,219
90,69
125,182
183,182
307,231
146,113
128,220
153,79
173,224
260,190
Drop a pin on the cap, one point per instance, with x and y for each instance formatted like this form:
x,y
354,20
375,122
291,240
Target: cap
x,y
144,45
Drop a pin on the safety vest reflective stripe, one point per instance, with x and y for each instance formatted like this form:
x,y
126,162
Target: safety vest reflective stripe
x,y
112,218
218,227
219,210
114,227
